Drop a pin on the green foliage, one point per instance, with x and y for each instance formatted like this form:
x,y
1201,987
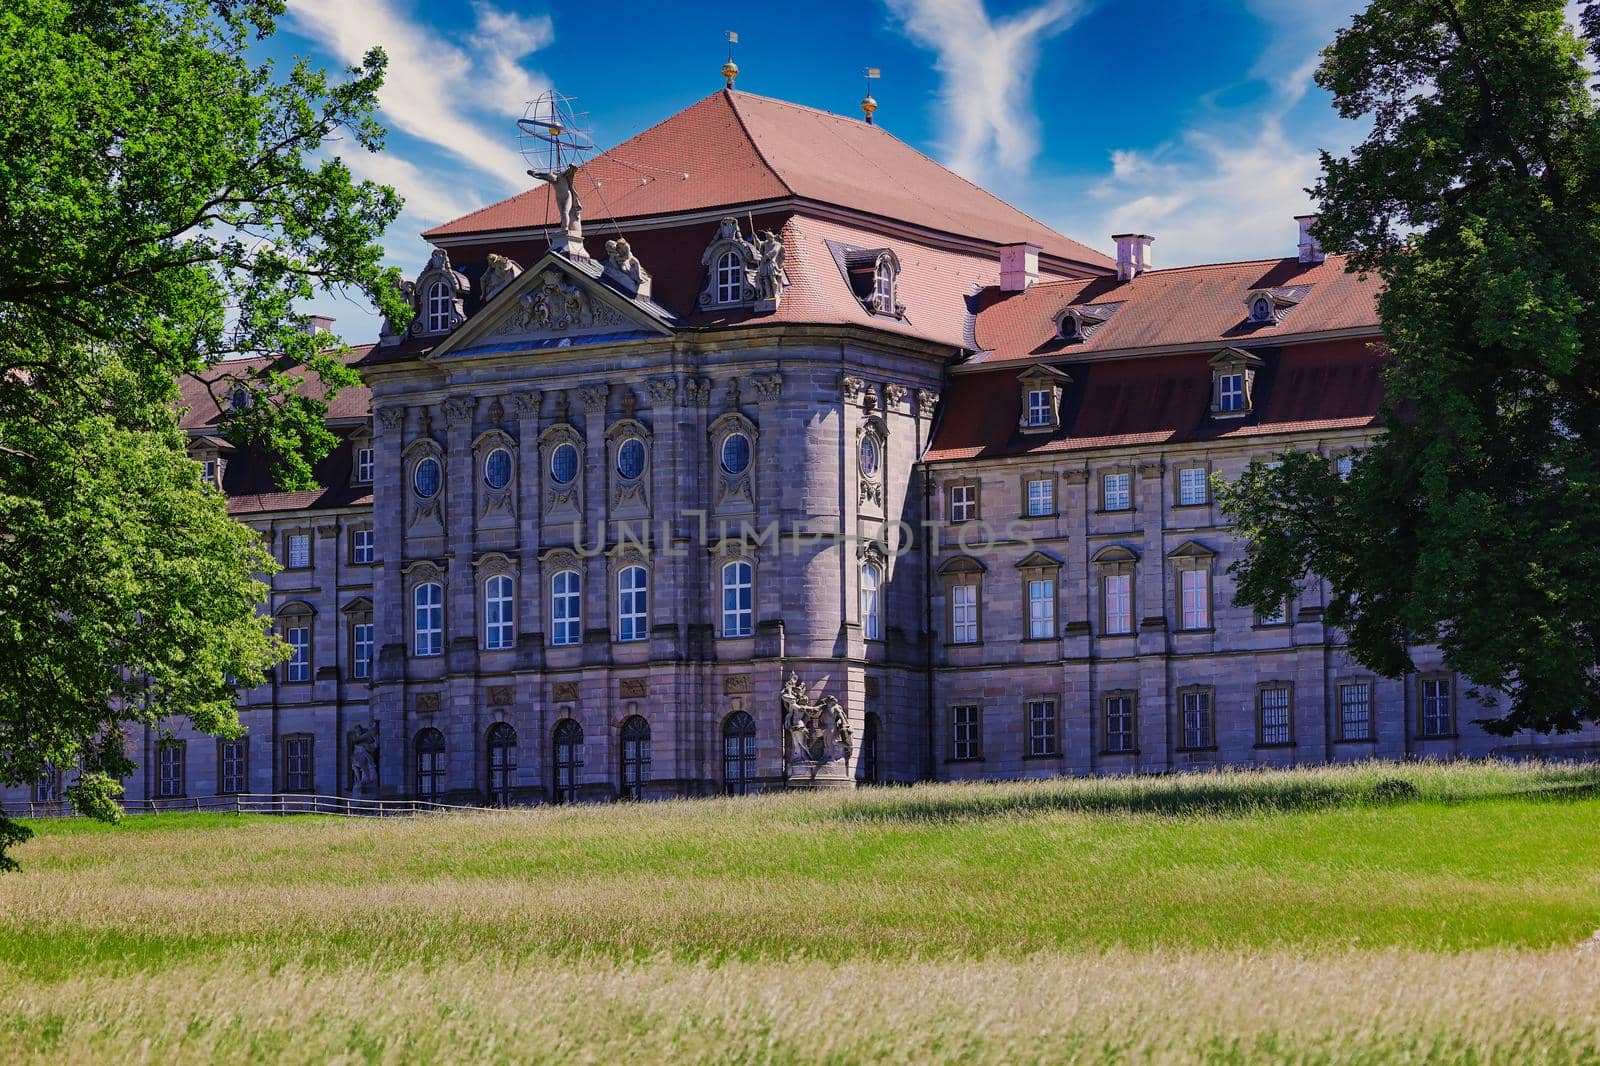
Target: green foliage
x,y
164,205
1474,522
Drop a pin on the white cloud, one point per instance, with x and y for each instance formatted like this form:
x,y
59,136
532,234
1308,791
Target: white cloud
x,y
429,202
435,90
988,67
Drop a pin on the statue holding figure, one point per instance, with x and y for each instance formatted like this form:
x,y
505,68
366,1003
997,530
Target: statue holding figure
x,y
770,279
363,747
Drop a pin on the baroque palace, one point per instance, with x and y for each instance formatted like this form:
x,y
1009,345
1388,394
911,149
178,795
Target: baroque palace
x,y
761,451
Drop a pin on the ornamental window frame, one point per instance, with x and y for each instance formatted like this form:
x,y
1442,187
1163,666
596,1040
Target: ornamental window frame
x,y
1194,580
870,594
960,573
737,289
295,627
499,630
884,296
440,293
1120,562
1075,325
417,575
734,490
1041,568
565,629
358,613
632,603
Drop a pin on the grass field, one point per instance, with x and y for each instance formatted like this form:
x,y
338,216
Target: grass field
x,y
1360,914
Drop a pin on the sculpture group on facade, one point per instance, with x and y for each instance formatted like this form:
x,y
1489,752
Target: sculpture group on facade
x,y
363,749
815,732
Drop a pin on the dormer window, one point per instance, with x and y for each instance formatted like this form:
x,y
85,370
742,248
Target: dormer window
x,y
240,399
1233,375
1266,307
1042,387
873,275
438,307
1080,323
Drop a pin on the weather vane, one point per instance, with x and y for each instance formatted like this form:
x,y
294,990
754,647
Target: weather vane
x,y
868,104
730,69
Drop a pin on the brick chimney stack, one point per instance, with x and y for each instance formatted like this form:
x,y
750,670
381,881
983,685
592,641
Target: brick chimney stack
x,y
1310,247
1133,254
1019,266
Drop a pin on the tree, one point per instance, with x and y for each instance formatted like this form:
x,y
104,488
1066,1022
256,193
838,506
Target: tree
x,y
1474,520
164,203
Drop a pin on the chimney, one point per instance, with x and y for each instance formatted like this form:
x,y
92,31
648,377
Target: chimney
x,y
316,324
1019,266
1133,254
1310,247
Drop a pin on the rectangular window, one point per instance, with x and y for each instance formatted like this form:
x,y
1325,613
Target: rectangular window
x,y
299,551
361,553
1355,712
297,764
1195,590
1119,604
1197,723
361,649
427,621
564,627
1278,616
169,770
1042,727
1230,392
1116,492
1040,404
232,766
1041,609
299,666
738,614
1192,486
1120,733
364,465
208,472
499,613
1041,497
1276,726
966,733
1438,716
964,614
963,503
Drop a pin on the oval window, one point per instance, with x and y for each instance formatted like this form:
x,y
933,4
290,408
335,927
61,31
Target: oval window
x,y
735,453
630,458
497,469
425,478
564,464
869,456
1262,311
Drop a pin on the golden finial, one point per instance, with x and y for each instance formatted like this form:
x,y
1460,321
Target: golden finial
x,y
730,69
868,104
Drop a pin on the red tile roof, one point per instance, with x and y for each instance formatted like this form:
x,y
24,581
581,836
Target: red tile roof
x,y
1163,399
1184,305
201,408
732,148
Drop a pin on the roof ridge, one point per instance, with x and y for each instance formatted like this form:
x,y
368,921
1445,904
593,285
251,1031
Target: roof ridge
x,y
755,146
1222,265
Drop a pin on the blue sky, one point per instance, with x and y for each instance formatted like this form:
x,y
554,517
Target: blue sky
x,y
1194,120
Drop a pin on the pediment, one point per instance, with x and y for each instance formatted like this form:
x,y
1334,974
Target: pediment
x,y
556,303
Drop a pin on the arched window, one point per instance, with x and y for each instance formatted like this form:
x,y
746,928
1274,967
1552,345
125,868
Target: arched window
x,y
428,625
738,753
1260,309
730,278
499,614
568,761
430,764
871,764
635,757
871,624
883,287
564,608
502,763
632,604
737,612
438,307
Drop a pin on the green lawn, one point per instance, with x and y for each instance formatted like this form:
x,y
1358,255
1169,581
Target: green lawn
x,y
1319,914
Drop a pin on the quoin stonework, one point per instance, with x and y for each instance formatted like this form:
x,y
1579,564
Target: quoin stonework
x,y
761,451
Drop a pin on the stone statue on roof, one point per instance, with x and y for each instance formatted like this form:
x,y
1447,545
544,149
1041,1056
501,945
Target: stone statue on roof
x,y
568,205
770,279
624,268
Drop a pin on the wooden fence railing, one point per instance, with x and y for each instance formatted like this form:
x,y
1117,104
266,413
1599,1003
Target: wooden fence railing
x,y
252,803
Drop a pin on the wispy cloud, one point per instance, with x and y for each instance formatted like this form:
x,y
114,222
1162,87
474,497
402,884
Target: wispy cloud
x,y
987,65
462,99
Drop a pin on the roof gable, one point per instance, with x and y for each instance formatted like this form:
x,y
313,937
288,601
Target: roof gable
x,y
557,303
